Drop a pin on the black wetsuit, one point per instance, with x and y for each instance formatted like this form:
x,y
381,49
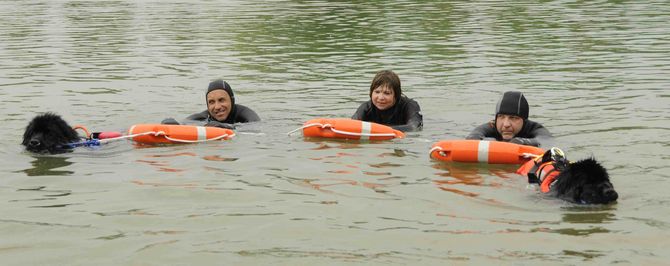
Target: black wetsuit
x,y
532,133
239,114
405,115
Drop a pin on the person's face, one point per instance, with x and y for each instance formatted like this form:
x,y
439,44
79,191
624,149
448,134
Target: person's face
x,y
383,97
508,125
219,104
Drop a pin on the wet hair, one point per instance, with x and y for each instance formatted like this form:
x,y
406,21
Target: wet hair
x,y
513,103
387,78
49,133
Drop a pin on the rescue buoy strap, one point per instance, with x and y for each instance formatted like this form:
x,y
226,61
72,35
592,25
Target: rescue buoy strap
x,y
362,134
434,149
162,133
88,135
303,127
128,136
329,126
437,148
194,141
530,155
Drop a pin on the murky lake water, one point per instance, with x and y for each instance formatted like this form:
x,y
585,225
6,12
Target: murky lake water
x,y
596,73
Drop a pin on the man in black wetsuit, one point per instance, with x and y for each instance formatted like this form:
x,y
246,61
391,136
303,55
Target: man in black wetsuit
x,y
222,111
511,123
388,106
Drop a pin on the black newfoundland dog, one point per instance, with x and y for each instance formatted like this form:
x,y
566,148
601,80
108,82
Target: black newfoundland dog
x,y
49,133
584,181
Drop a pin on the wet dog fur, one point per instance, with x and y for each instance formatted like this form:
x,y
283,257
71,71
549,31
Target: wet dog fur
x,y
49,133
585,182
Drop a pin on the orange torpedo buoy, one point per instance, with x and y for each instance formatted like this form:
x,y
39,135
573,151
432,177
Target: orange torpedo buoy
x,y
160,133
344,128
473,151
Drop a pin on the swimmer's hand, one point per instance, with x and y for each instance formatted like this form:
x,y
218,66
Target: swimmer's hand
x,y
169,121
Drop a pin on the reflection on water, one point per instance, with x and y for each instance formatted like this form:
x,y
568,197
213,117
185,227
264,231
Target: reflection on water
x,y
396,153
46,198
44,165
478,175
587,254
323,184
578,231
591,216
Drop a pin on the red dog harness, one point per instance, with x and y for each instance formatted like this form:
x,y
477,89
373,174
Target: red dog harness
x,y
544,170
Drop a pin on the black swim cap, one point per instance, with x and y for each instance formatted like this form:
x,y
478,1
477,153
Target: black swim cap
x,y
219,84
513,103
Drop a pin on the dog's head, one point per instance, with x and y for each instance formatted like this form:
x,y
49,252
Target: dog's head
x,y
48,133
586,182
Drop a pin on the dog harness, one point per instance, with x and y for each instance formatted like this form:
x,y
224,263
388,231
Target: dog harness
x,y
544,170
92,139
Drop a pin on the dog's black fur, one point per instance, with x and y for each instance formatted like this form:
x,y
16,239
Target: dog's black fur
x,y
585,182
49,133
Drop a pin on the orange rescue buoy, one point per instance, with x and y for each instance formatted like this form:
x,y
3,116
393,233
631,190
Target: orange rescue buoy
x,y
344,128
493,152
159,133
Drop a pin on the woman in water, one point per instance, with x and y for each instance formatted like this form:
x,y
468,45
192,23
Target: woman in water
x,y
388,106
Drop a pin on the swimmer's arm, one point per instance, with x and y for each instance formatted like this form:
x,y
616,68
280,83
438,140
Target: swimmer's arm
x,y
360,112
414,118
481,132
541,135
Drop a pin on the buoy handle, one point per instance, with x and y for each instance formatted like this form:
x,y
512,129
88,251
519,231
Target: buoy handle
x,y
88,135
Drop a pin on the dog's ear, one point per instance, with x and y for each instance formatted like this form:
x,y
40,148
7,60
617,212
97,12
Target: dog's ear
x,y
68,133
